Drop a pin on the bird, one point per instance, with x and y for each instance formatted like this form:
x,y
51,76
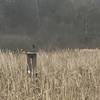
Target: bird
x,y
33,46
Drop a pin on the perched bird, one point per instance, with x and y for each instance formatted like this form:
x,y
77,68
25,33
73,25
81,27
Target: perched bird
x,y
33,46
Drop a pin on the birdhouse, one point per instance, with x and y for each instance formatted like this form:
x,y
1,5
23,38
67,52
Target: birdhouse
x,y
31,62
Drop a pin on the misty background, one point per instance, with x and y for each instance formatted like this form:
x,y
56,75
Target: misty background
x,y
50,23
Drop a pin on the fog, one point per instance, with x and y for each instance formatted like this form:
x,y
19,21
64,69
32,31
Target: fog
x,y
50,23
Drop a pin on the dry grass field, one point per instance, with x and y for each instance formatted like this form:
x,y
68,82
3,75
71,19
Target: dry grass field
x,y
62,75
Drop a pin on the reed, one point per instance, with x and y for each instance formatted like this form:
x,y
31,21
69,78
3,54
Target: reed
x,y
61,75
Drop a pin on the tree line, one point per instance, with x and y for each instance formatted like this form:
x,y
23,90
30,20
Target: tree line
x,y
60,23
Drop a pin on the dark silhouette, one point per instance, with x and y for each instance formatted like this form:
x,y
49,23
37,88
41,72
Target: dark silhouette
x,y
33,46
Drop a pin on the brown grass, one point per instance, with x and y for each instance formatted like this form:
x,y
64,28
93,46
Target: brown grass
x,y
62,75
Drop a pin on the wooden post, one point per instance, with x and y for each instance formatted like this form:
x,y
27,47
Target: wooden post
x,y
31,63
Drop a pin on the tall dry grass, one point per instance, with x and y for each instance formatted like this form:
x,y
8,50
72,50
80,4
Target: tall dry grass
x,y
62,75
